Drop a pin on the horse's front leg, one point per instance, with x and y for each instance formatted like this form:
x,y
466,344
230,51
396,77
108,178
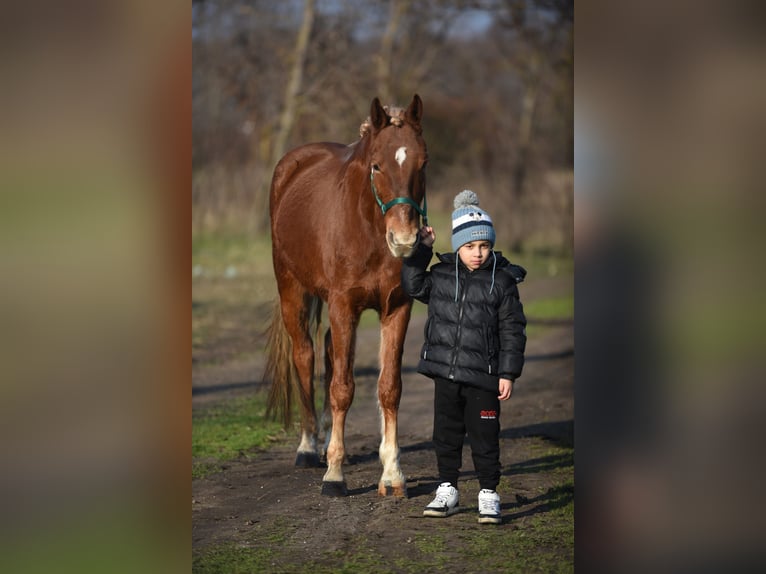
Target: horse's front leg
x,y
392,332
343,322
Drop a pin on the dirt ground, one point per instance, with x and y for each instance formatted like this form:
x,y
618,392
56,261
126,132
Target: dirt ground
x,y
266,502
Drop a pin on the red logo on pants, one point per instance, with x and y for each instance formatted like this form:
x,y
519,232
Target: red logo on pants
x,y
488,414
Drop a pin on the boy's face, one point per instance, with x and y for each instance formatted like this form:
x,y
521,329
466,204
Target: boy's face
x,y
474,253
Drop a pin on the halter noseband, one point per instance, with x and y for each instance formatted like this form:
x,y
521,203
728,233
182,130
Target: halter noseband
x,y
386,206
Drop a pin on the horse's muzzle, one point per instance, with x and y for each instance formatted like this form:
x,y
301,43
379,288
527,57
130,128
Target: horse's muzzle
x,y
402,244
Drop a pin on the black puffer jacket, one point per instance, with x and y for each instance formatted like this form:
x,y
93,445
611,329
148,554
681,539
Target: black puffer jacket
x,y
475,333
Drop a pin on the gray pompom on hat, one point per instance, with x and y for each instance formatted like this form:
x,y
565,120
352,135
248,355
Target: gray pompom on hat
x,y
469,221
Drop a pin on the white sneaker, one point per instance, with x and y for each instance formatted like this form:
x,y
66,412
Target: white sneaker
x,y
489,507
444,503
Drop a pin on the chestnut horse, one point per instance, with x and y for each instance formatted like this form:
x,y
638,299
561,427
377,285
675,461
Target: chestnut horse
x,y
342,217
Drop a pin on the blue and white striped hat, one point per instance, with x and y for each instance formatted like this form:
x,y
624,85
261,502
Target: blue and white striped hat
x,y
469,222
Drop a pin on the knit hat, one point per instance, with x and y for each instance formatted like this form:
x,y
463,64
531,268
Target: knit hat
x,y
469,222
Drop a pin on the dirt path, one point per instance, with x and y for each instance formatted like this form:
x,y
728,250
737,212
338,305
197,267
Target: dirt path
x,y
276,512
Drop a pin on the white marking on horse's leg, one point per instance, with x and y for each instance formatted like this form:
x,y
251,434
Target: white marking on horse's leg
x,y
400,155
392,476
307,456
308,443
392,481
336,450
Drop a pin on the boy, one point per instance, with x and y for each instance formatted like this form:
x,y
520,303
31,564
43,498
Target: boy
x,y
474,349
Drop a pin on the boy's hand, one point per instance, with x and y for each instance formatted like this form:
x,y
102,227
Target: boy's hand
x,y
506,389
427,235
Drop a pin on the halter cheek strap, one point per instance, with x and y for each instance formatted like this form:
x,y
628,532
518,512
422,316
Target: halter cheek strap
x,y
386,206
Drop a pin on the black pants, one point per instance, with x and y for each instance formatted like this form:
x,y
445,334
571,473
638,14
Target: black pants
x,y
460,409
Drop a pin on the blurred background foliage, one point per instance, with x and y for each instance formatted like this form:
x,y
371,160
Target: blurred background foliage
x,y
496,78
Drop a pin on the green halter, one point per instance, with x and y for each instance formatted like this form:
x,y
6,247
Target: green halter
x,y
386,206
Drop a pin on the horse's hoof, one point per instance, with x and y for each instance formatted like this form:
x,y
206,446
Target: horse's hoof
x,y
307,460
334,488
399,491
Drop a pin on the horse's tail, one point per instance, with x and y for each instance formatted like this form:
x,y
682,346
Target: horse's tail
x,y
280,368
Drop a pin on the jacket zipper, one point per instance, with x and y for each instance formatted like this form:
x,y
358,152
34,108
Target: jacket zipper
x,y
490,350
459,330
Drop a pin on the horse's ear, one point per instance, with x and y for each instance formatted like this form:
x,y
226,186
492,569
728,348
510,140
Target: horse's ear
x,y
415,110
378,116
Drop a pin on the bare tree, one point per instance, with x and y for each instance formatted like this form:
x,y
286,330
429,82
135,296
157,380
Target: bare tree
x,y
384,56
538,24
295,83
289,112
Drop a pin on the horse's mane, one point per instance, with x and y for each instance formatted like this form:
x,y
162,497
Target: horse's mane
x,y
397,119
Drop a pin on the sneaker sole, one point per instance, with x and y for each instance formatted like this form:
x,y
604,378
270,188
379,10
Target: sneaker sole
x,y
440,513
490,520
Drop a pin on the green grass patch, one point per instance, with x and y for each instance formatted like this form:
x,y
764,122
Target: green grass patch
x,y
364,560
234,559
203,469
553,308
231,248
231,429
233,258
233,288
541,542
433,544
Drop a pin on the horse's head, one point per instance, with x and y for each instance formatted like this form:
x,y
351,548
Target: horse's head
x,y
397,163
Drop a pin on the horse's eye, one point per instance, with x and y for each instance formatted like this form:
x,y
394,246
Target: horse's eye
x,y
375,167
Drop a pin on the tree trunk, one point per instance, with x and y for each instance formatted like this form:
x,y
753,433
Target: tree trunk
x,y
289,113
526,123
385,56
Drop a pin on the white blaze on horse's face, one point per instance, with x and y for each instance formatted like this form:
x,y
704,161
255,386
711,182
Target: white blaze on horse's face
x,y
400,155
401,229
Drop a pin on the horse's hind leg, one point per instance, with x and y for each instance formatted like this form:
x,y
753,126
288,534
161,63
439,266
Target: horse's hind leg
x,y
296,314
344,317
326,410
393,331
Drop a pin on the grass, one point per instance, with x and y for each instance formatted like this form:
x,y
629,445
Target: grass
x,y
232,290
228,430
233,559
216,252
550,308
